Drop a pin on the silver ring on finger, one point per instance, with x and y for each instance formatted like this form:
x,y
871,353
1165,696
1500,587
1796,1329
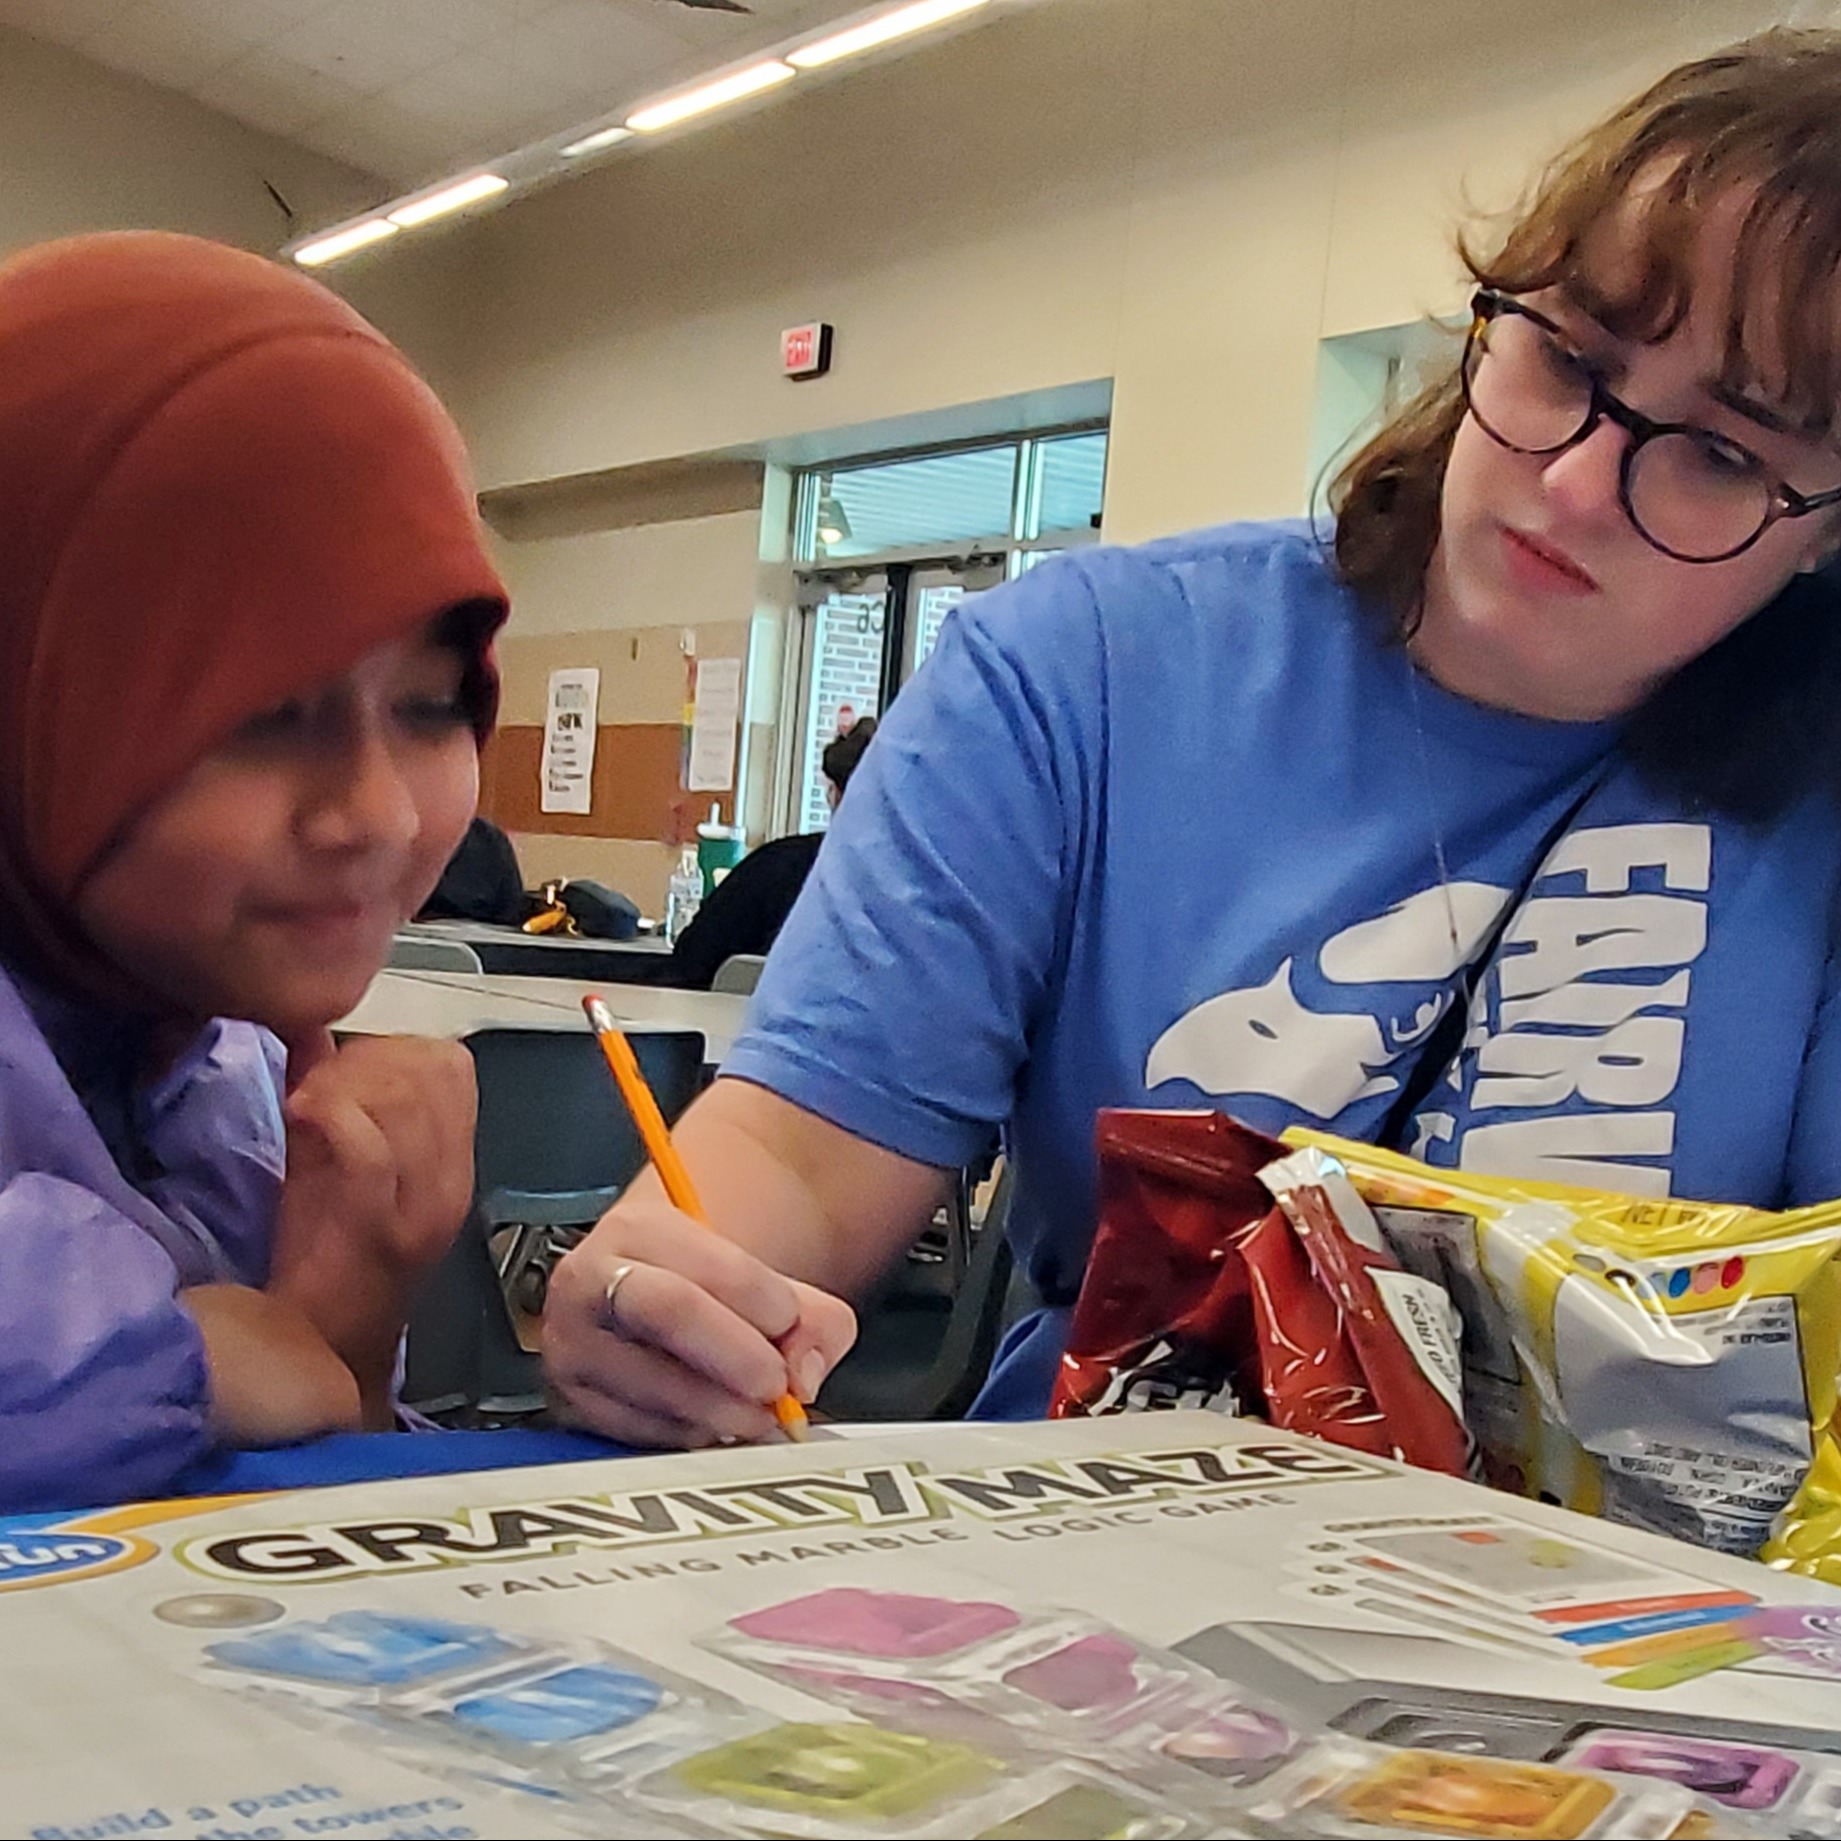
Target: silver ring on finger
x,y
610,1298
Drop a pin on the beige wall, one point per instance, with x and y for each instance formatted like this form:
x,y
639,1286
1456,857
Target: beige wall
x,y
670,573
610,575
83,147
1182,195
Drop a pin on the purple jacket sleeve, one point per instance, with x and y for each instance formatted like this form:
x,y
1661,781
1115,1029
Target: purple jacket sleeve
x,y
103,1384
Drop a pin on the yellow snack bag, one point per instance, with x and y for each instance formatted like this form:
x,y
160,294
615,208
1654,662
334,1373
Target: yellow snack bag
x,y
1807,1538
1668,1364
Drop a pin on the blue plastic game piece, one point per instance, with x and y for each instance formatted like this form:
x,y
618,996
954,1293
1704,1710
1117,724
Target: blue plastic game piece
x,y
364,1649
573,1703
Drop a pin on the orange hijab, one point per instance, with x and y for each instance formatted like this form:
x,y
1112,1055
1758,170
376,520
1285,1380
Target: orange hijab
x,y
219,489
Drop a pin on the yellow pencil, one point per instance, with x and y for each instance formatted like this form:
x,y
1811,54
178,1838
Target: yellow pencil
x,y
656,1137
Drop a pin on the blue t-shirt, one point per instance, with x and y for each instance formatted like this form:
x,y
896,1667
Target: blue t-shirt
x,y
1180,826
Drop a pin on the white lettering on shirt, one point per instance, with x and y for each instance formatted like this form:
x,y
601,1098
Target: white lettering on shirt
x,y
1567,1031
1586,1148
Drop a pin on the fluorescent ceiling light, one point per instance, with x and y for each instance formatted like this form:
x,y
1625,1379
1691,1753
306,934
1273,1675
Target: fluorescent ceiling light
x,y
593,143
880,31
541,161
450,198
344,242
732,88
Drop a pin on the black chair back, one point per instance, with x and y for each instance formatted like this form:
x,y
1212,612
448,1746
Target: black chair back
x,y
555,1145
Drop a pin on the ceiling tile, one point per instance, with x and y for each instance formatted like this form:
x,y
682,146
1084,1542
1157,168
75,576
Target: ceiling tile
x,y
453,22
471,84
274,92
157,41
573,114
243,23
263,19
784,15
413,89
759,8
389,142
516,12
362,44
64,22
446,145
590,44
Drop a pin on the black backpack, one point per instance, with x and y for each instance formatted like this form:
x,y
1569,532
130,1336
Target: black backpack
x,y
482,881
598,911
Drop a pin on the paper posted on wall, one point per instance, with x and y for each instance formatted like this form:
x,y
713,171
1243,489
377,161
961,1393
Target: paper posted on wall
x,y
714,715
568,740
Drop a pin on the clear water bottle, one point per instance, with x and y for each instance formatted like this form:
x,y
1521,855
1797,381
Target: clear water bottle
x,y
683,894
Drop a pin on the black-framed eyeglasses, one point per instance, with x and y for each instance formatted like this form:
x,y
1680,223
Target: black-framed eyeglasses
x,y
1692,494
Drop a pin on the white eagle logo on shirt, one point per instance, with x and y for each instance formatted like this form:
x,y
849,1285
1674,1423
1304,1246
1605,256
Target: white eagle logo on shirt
x,y
1263,1039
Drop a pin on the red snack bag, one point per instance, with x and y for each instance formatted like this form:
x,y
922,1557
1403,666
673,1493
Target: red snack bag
x,y
1200,1292
1309,1376
1402,1328
1164,1316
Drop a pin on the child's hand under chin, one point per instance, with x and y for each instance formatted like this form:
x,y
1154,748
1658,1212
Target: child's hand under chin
x,y
379,1179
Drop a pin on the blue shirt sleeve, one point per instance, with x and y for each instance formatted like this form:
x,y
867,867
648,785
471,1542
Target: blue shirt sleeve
x,y
1812,1170
899,1000
103,1383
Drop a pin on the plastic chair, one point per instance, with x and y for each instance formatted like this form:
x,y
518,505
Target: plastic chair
x,y
554,1148
924,1346
411,952
739,973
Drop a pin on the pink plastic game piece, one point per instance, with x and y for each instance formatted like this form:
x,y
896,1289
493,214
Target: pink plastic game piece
x,y
1740,1776
1087,1676
871,1687
894,1625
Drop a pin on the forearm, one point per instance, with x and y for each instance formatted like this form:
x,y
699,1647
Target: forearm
x,y
358,1305
661,1332
274,1378
379,1179
801,1194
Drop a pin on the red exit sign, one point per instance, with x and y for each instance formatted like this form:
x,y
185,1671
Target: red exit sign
x,y
805,351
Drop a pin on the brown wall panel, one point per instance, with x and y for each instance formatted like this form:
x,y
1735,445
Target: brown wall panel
x,y
636,791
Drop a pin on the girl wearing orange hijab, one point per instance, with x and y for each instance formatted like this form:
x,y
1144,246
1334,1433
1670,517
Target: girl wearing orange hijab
x,y
246,617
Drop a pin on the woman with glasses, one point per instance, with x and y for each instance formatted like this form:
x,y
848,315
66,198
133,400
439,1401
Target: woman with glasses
x,y
1503,824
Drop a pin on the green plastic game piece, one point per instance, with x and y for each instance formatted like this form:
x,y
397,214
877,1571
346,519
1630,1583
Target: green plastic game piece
x,y
1085,1809
849,1772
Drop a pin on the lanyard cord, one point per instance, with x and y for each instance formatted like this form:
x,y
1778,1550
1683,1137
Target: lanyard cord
x,y
1441,1047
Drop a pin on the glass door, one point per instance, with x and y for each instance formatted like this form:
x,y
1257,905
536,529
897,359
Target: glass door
x,y
843,618
863,633
932,591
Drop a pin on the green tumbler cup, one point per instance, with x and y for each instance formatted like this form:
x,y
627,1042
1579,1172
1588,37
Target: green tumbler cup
x,y
719,848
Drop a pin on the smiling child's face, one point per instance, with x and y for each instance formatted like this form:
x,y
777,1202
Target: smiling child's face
x,y
267,884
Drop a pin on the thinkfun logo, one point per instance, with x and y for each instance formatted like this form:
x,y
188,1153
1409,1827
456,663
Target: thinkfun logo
x,y
32,1553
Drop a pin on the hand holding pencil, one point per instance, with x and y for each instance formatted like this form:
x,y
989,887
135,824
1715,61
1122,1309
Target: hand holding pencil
x,y
697,1319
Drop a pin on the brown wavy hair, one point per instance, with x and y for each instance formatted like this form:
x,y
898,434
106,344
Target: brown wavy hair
x,y
1748,726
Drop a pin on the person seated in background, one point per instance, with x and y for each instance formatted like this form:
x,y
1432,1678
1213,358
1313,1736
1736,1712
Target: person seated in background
x,y
246,621
1542,737
747,908
482,881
